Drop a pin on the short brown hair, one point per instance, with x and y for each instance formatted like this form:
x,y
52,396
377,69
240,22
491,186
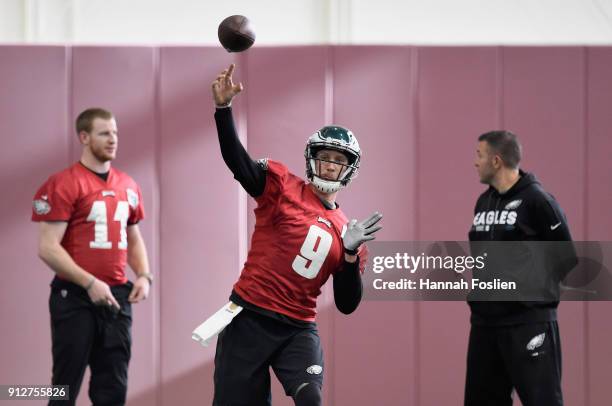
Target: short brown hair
x,y
506,144
84,121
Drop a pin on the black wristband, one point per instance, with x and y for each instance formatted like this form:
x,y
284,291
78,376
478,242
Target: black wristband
x,y
351,252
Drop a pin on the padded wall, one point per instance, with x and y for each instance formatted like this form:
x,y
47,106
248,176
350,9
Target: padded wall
x,y
417,112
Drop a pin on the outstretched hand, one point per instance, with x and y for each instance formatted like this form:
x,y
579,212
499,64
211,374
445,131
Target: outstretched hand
x,y
224,89
358,232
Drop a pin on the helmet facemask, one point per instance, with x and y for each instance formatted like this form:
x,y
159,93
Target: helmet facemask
x,y
337,139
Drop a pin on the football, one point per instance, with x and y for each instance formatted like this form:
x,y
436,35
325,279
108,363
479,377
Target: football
x,y
236,34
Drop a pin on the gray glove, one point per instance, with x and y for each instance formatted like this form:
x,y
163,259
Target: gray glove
x,y
358,232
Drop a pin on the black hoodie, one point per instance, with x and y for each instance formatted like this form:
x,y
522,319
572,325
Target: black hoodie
x,y
523,213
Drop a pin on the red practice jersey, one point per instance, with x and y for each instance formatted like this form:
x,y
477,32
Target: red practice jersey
x,y
296,246
98,213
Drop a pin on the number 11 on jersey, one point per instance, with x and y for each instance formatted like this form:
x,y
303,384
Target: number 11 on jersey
x,y
98,215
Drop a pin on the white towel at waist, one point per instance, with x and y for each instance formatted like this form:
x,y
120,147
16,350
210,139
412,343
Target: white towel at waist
x,y
206,331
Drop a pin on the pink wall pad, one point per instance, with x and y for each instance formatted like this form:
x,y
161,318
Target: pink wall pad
x,y
123,80
285,97
374,355
373,95
599,144
199,220
457,101
599,221
543,103
35,139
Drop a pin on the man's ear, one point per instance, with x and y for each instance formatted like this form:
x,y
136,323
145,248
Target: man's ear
x,y
84,137
497,162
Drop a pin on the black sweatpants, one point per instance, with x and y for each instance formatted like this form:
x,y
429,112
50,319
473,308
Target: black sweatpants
x,y
526,357
250,345
85,334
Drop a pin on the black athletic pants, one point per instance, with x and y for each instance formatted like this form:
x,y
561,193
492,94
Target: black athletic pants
x,y
250,345
84,334
526,357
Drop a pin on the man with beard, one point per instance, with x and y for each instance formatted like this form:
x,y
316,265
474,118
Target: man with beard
x,y
88,218
516,344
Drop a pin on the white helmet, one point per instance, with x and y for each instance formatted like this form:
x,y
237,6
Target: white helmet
x,y
339,139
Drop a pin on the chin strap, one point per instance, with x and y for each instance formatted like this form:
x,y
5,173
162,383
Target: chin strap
x,y
326,186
